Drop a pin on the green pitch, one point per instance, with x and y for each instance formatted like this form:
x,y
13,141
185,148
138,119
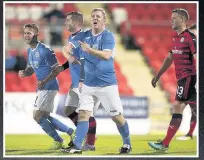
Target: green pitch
x,y
105,145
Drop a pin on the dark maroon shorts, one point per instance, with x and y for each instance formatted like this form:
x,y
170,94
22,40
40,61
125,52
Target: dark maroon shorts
x,y
186,90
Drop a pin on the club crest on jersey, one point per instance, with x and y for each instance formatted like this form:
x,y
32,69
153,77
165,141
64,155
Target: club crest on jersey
x,y
98,39
37,54
182,39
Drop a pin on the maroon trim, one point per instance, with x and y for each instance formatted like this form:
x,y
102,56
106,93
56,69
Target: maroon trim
x,y
188,80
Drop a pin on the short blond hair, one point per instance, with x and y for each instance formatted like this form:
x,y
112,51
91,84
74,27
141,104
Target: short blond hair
x,y
33,26
100,9
182,12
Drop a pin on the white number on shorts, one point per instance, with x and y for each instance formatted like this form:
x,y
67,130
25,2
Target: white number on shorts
x,y
180,90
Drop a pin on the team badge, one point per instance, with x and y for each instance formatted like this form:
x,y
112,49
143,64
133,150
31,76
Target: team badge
x,y
182,39
98,38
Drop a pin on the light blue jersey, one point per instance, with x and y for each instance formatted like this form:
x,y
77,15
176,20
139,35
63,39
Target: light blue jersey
x,y
42,59
75,68
99,72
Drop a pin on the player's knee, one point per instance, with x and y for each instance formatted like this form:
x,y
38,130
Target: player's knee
x,y
37,117
84,115
118,119
69,110
178,107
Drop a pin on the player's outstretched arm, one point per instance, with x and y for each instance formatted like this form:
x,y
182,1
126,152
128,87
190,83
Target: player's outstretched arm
x,y
27,72
51,76
166,64
105,55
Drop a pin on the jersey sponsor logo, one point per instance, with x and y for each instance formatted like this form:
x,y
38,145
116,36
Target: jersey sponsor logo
x,y
88,37
95,46
176,51
37,54
34,64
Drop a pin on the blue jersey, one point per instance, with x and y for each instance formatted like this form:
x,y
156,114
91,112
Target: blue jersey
x,y
42,59
99,72
75,68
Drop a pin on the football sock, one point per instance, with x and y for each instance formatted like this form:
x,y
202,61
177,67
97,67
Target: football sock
x,y
48,128
60,126
74,117
124,132
91,135
81,132
173,127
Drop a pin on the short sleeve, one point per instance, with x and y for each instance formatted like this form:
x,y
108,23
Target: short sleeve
x,y
50,57
75,38
192,43
108,42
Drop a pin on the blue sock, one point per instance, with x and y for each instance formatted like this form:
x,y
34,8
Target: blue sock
x,y
124,132
48,128
81,132
60,126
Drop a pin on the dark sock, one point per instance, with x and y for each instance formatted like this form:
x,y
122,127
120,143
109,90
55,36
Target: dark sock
x,y
91,135
74,117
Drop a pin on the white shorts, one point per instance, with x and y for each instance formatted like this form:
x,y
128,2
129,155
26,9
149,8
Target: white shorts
x,y
108,96
45,100
73,100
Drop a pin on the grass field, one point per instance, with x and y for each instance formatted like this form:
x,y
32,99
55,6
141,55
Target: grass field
x,y
105,145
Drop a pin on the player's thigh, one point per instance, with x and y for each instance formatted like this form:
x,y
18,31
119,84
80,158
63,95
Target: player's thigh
x,y
110,99
96,105
86,100
45,100
185,88
72,101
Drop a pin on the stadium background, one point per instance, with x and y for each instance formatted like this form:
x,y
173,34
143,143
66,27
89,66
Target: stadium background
x,y
146,25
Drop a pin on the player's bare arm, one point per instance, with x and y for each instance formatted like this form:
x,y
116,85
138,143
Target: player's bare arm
x,y
66,51
166,64
55,72
26,73
105,55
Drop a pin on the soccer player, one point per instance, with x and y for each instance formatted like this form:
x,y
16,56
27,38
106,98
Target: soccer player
x,y
41,61
99,82
189,135
182,54
74,22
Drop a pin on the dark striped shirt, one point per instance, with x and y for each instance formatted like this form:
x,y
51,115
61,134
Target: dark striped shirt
x,y
183,47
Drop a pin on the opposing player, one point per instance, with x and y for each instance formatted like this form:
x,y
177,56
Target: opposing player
x,y
41,61
74,22
100,82
182,54
193,122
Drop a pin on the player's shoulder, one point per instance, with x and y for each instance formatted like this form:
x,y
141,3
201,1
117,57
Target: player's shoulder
x,y
189,33
107,33
45,48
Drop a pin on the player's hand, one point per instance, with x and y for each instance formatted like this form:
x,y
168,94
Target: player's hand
x,y
80,86
21,74
84,46
41,84
74,60
154,81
